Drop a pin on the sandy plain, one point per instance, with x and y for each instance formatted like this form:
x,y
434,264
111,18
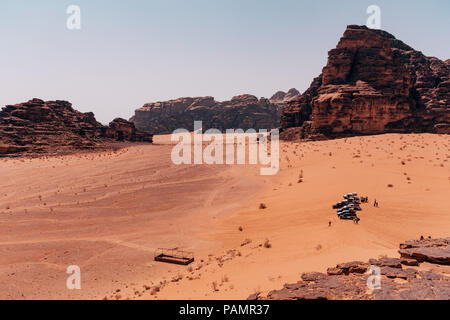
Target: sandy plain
x,y
108,212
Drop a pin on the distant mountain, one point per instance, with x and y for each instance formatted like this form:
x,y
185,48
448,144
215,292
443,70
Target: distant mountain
x,y
282,97
372,83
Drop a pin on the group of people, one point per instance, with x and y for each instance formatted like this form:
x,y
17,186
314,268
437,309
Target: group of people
x,y
366,200
375,203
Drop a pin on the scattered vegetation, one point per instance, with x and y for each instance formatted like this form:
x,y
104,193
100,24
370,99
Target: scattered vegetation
x,y
267,244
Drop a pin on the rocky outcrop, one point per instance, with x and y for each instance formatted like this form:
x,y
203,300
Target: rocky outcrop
x,y
122,130
372,83
38,127
349,280
429,250
241,112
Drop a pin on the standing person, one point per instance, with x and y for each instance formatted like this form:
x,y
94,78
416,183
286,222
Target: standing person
x,y
329,223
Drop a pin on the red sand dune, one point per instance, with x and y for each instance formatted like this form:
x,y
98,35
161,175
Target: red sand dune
x,y
107,212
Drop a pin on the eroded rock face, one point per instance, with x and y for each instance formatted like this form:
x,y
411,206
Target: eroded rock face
x,y
372,83
349,280
37,127
241,112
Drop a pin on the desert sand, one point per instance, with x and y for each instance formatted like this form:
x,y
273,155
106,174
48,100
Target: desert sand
x,y
107,212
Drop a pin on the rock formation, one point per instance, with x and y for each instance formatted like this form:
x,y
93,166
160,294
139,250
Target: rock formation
x,y
241,112
122,130
37,127
281,97
372,83
428,250
349,280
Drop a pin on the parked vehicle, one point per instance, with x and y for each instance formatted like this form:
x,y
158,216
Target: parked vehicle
x,y
338,205
347,208
347,216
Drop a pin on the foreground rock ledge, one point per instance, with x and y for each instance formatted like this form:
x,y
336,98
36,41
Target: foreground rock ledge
x,y
404,278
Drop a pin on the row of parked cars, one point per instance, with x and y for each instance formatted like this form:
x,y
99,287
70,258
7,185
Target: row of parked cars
x,y
347,208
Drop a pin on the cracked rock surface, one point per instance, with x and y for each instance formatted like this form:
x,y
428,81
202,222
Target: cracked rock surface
x,y
428,279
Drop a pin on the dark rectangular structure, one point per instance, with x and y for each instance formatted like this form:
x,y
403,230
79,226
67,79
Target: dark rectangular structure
x,y
174,256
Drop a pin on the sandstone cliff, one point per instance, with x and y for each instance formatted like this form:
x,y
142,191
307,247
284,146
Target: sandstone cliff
x,y
243,112
38,127
372,83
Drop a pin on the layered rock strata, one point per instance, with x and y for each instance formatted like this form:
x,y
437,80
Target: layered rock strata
x,y
372,83
39,127
241,112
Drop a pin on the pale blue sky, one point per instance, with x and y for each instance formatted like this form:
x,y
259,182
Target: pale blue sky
x,y
131,52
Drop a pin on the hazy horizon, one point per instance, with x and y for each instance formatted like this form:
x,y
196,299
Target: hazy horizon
x,y
130,53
